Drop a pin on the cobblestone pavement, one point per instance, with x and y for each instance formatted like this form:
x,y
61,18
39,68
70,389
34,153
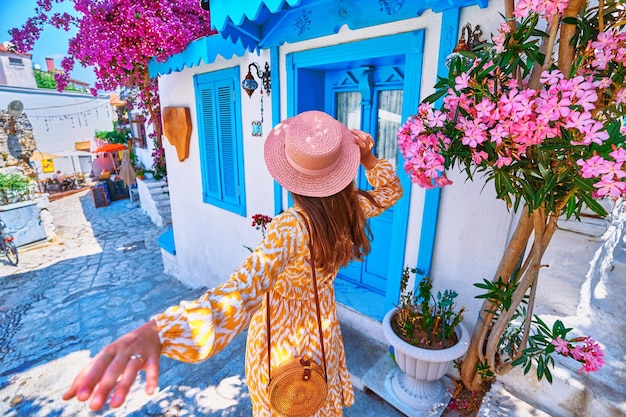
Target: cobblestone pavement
x,y
99,278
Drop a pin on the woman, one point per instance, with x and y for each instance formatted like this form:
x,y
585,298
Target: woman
x,y
316,158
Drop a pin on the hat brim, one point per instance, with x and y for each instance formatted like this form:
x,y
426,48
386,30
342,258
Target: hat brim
x,y
323,185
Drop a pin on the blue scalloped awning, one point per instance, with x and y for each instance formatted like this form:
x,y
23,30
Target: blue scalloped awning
x,y
260,24
204,49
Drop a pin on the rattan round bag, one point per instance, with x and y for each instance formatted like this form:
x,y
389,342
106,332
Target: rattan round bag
x,y
297,388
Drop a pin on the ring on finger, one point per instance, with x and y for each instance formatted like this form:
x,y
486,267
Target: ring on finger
x,y
138,357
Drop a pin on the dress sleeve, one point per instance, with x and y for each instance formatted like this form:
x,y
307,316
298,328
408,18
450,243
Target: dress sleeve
x,y
195,330
387,188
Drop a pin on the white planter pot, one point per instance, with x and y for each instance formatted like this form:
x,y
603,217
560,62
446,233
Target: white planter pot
x,y
419,384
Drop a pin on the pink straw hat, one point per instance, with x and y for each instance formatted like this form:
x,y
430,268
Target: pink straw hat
x,y
312,154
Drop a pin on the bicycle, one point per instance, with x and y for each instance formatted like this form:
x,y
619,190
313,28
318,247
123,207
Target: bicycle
x,y
7,246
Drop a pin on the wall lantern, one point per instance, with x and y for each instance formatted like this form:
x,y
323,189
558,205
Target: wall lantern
x,y
249,84
205,5
473,40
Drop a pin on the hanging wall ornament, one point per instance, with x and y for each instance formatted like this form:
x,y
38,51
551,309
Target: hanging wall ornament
x,y
261,106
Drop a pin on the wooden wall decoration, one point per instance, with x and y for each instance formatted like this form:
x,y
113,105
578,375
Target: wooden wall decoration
x,y
177,129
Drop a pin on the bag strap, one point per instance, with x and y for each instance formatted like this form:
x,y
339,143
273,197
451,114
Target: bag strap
x,y
317,307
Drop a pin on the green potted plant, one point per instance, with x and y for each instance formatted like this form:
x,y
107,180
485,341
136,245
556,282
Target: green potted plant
x,y
426,335
140,171
12,188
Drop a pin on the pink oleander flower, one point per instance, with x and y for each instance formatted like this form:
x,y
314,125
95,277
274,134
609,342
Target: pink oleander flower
x,y
590,354
462,82
561,346
496,122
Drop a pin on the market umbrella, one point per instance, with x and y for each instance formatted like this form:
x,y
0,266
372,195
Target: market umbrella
x,y
41,155
108,148
127,173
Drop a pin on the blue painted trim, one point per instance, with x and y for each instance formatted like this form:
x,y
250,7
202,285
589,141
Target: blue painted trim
x,y
412,88
275,80
166,241
448,38
204,49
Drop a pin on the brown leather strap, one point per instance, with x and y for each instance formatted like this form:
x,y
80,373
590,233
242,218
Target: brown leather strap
x,y
317,305
317,301
269,347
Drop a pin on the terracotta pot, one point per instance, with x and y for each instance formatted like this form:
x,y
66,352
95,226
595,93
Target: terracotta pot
x,y
419,385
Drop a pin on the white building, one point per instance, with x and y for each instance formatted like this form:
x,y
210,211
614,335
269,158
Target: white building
x,y
16,69
368,63
61,121
366,66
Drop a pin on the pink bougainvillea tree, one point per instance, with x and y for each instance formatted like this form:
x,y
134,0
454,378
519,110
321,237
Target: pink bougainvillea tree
x,y
118,38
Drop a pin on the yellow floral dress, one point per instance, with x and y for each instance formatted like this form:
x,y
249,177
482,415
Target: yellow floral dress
x,y
195,330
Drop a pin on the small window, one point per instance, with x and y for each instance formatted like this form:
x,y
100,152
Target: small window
x,y
138,130
16,61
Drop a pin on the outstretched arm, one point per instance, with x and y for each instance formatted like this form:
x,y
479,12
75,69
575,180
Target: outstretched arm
x,y
119,361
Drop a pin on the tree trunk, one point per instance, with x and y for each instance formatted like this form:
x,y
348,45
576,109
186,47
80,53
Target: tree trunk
x,y
511,255
489,329
155,114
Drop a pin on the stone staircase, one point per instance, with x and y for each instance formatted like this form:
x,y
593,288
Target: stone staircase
x,y
155,200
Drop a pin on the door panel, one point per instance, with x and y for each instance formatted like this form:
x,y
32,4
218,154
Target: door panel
x,y
368,98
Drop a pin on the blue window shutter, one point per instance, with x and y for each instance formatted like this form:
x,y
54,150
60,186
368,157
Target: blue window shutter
x,y
220,140
209,143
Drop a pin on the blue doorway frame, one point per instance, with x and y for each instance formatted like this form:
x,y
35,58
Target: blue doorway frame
x,y
307,69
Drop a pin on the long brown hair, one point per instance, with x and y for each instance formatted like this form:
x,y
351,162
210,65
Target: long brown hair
x,y
339,227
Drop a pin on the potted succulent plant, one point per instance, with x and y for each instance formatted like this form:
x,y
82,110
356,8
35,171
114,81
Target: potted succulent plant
x,y
426,335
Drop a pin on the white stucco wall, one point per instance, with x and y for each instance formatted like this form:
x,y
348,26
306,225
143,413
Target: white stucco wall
x,y
60,119
472,224
209,240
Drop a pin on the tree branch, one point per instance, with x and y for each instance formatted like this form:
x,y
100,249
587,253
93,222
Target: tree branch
x,y
566,49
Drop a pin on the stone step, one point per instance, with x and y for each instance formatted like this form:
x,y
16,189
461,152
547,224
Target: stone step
x,y
571,394
160,197
155,184
500,402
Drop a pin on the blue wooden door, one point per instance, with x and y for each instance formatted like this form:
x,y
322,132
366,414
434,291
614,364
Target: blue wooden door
x,y
370,98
